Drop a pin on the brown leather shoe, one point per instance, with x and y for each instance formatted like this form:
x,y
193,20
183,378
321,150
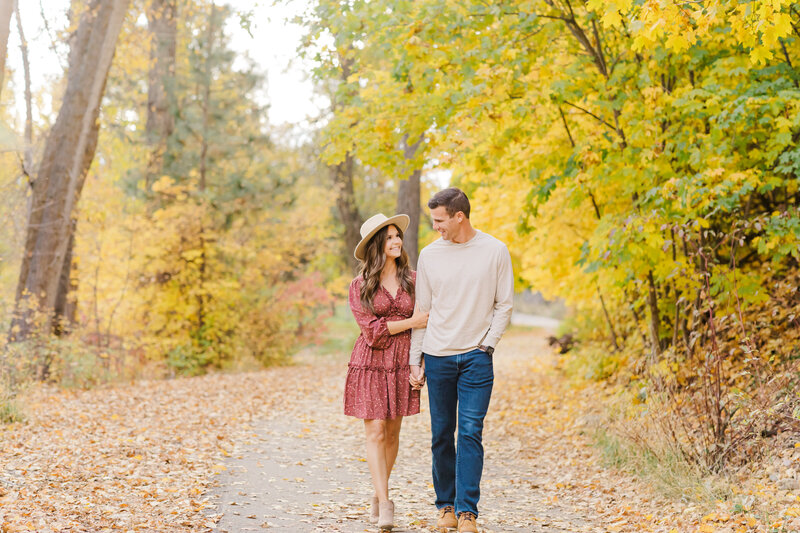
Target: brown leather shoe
x,y
447,518
466,523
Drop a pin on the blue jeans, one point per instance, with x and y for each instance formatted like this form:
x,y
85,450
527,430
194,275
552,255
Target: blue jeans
x,y
459,389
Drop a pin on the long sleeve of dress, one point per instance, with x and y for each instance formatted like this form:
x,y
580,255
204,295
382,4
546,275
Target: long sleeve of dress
x,y
373,328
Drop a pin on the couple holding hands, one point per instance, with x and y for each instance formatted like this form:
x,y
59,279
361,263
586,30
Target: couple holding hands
x,y
439,324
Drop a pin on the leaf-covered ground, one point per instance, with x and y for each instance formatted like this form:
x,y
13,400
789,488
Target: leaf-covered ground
x,y
270,450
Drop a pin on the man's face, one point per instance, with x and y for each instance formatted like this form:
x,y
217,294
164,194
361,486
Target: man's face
x,y
446,225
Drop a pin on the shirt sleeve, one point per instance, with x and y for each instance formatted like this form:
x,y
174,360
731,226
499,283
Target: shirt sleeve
x,y
503,299
422,295
373,328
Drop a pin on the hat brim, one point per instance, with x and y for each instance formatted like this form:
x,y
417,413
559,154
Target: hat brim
x,y
401,221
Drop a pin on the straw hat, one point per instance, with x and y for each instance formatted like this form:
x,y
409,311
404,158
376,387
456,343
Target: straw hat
x,y
373,226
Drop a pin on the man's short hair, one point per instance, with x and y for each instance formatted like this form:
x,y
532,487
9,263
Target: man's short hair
x,y
452,199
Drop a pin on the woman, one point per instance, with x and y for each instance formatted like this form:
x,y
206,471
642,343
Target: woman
x,y
377,388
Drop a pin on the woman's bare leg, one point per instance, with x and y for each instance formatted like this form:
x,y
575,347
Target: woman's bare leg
x,y
376,457
392,443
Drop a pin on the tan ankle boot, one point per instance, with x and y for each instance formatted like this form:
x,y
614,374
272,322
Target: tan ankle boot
x,y
374,511
386,516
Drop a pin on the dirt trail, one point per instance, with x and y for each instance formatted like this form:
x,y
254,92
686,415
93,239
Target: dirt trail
x,y
303,468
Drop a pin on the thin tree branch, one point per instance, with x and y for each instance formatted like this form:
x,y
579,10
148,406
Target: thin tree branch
x,y
27,162
608,319
796,29
594,204
788,61
610,126
599,44
571,13
566,126
518,13
50,35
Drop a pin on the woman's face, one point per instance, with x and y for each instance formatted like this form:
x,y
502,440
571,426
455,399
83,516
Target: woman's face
x,y
394,243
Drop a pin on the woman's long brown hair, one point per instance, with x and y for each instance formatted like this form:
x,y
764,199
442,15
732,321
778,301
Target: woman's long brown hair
x,y
371,267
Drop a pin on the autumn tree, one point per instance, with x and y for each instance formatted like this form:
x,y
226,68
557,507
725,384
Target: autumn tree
x,y
391,142
214,261
68,153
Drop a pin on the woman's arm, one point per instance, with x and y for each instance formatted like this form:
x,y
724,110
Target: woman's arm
x,y
374,329
417,320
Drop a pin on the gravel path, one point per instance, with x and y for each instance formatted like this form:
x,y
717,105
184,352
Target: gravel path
x,y
303,469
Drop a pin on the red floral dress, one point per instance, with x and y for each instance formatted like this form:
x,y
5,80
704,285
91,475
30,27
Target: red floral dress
x,y
377,384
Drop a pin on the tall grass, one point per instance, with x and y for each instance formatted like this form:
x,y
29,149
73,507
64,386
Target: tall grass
x,y
668,473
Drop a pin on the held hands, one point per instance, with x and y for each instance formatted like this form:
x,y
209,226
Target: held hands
x,y
417,377
419,319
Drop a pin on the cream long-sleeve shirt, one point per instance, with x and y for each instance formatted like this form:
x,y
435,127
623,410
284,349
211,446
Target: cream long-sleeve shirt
x,y
468,289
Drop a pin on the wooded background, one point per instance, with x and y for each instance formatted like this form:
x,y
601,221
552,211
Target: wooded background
x,y
641,161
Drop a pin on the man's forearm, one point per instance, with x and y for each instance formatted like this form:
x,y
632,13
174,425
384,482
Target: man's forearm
x,y
500,321
415,355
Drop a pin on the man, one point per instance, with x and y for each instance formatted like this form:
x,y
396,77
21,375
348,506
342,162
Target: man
x,y
466,282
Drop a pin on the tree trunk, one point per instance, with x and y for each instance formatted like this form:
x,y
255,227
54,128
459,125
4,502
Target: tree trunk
x,y
342,176
655,318
65,306
68,154
160,121
6,10
408,202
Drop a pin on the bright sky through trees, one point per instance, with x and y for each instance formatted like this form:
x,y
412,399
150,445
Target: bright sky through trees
x,y
272,46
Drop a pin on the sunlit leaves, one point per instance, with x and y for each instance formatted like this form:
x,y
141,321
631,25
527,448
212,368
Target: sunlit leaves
x,y
611,144
759,26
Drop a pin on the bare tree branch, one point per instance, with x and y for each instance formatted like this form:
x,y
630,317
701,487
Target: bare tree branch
x,y
27,162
